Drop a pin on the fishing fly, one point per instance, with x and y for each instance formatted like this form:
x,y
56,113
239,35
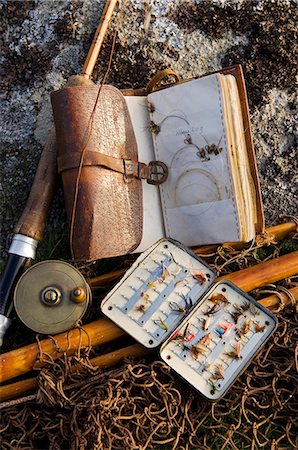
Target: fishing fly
x,y
212,148
196,351
219,373
198,276
213,387
165,272
161,323
232,354
141,308
155,128
253,309
145,296
206,339
207,322
226,327
175,307
219,331
213,310
259,328
218,298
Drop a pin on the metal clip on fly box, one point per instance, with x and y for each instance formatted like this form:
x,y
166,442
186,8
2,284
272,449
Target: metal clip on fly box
x,y
208,332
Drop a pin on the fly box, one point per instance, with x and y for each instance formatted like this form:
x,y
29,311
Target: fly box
x,y
208,332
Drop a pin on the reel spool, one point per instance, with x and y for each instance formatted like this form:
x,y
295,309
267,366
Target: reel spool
x,y
51,297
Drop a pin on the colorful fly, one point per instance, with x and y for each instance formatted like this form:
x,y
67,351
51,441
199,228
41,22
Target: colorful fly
x,y
235,316
219,331
198,276
207,322
196,350
175,307
161,323
151,284
219,373
176,336
141,308
226,327
213,310
246,326
182,280
206,339
213,387
232,354
259,328
218,298
145,296
238,350
165,272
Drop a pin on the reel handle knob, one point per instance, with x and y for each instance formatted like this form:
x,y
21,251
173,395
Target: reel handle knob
x,y
78,295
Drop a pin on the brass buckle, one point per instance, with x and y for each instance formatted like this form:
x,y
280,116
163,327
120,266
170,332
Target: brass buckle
x,y
159,172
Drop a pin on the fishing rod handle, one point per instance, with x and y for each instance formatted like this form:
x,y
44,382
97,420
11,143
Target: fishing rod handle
x,y
33,219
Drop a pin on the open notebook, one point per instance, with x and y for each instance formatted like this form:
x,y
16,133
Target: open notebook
x,y
200,129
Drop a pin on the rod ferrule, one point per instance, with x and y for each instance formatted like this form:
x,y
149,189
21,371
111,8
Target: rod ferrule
x,y
23,246
4,324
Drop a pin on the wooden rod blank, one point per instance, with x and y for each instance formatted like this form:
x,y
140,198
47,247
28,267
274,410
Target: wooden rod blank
x,y
19,361
265,273
98,38
275,300
276,233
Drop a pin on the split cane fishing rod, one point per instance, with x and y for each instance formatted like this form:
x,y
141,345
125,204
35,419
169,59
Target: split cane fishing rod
x,y
30,228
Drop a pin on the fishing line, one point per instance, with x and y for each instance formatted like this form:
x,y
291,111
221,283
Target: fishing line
x,y
203,172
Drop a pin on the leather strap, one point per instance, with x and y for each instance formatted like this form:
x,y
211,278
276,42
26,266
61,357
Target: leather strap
x,y
155,172
159,77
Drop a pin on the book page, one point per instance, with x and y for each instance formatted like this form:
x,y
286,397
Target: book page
x,y
189,135
153,228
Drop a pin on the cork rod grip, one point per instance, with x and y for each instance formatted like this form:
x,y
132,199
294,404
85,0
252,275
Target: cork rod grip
x,y
32,221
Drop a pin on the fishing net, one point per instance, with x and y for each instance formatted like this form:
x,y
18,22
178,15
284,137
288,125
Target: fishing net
x,y
144,405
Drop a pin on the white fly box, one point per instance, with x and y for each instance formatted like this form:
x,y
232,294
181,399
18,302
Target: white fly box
x,y
160,288
218,339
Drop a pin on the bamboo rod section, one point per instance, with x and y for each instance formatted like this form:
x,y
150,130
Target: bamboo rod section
x,y
98,38
274,300
22,387
19,388
276,233
265,273
20,361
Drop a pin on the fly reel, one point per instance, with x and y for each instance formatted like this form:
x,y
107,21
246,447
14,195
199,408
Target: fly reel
x,y
51,297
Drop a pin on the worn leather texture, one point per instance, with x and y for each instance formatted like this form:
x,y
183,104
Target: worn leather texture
x,y
108,220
